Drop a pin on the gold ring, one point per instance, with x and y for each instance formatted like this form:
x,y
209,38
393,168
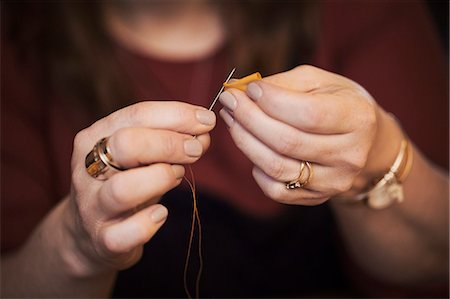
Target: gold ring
x,y
99,162
298,182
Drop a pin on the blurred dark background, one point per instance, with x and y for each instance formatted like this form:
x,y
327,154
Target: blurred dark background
x,y
440,11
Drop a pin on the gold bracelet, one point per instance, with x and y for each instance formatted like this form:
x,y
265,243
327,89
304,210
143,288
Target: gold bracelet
x,y
389,189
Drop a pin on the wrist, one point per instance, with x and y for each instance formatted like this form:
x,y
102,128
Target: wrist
x,y
384,150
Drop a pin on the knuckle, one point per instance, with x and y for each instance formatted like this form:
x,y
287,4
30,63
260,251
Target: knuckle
x,y
246,117
180,112
167,172
347,184
138,112
79,139
353,161
170,146
343,185
275,167
274,192
287,143
107,242
168,176
304,68
371,118
313,117
369,115
357,162
121,141
183,117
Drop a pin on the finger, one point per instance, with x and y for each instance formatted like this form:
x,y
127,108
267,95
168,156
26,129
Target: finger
x,y
176,116
278,191
132,188
133,147
306,78
138,229
285,139
277,166
321,113
329,181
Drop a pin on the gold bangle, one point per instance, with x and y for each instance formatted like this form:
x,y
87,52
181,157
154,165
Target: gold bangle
x,y
408,164
389,189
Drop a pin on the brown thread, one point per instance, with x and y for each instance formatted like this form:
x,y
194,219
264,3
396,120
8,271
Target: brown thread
x,y
195,214
195,220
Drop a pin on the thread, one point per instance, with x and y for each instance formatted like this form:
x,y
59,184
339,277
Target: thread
x,y
195,223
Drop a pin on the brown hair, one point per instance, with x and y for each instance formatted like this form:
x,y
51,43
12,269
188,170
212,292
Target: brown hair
x,y
69,40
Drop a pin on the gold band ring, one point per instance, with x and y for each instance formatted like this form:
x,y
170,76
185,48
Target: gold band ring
x,y
299,182
99,162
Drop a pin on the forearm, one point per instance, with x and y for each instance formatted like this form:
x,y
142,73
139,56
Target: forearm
x,y
408,242
42,268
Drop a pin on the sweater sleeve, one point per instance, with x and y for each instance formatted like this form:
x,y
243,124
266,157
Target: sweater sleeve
x,y
392,49
26,171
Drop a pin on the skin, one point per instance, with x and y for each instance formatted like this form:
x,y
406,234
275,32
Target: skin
x,y
308,114
100,227
159,28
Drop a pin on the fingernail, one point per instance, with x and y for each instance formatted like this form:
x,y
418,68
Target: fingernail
x,y
228,100
193,148
206,117
159,214
254,91
227,118
178,170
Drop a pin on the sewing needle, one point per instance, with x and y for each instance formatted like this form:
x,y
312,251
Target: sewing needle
x,y
221,89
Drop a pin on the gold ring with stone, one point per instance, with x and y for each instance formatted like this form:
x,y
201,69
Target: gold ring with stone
x,y
300,181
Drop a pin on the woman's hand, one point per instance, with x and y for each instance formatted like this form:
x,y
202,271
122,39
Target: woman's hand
x,y
109,221
308,114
